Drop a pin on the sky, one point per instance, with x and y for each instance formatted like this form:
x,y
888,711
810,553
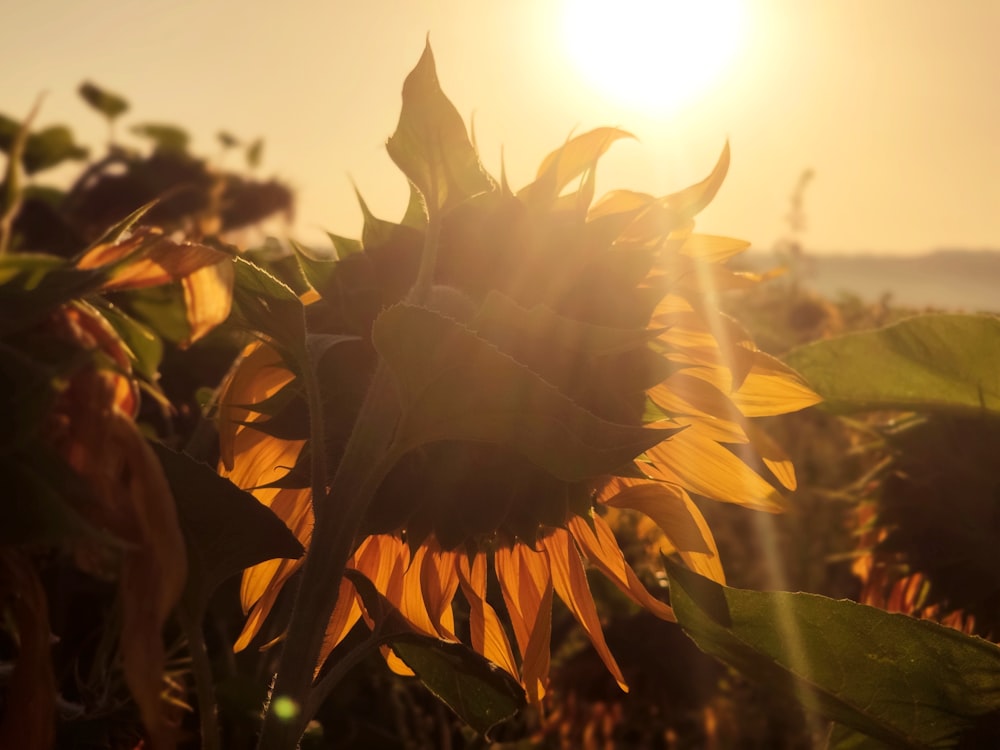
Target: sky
x,y
894,104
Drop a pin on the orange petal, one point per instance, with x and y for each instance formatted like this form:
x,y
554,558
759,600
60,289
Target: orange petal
x,y
486,631
345,614
159,261
669,508
439,582
208,298
602,550
526,585
570,582
259,374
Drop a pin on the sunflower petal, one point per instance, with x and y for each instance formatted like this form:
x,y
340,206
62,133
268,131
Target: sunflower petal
x,y
208,298
772,387
666,505
570,582
705,467
526,585
773,455
486,632
601,549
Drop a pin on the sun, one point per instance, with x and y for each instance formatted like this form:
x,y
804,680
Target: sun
x,y
653,55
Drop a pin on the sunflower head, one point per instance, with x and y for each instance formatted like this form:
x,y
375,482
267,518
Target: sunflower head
x,y
552,359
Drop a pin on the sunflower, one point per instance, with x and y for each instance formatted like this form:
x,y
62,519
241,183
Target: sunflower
x,y
563,362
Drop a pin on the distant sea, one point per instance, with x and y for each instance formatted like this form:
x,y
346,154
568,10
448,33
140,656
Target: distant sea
x,y
953,280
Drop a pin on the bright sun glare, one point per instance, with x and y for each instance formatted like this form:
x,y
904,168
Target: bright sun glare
x,y
654,55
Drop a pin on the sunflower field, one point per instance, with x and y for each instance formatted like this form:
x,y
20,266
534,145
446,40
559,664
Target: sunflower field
x,y
509,473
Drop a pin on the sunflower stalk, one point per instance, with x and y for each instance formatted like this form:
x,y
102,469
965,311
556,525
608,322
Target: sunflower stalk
x,y
201,666
338,514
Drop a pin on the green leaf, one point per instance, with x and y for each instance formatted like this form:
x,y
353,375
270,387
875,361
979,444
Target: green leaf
x,y
227,139
344,246
42,149
904,682
32,285
268,306
225,528
108,104
255,152
145,348
479,692
431,145
317,271
40,497
455,385
165,137
927,363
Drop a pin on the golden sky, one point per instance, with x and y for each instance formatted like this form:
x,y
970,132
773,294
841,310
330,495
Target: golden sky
x,y
894,103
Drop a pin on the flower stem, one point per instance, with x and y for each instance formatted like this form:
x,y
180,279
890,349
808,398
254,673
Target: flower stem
x,y
204,684
338,516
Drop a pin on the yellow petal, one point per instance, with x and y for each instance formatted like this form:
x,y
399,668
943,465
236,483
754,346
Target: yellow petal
x,y
714,414
771,387
570,582
601,549
701,465
773,455
711,248
485,630
669,508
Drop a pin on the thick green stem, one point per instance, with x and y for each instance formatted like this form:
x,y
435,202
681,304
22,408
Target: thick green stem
x,y
338,516
204,683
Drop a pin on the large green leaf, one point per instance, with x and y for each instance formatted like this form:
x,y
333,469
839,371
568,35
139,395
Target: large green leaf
x,y
226,529
927,363
903,682
431,145
164,137
455,385
479,692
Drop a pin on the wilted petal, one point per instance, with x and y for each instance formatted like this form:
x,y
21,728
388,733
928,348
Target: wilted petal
x,y
154,570
208,298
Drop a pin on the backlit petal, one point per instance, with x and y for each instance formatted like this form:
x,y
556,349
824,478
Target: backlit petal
x,y
486,632
570,582
602,551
